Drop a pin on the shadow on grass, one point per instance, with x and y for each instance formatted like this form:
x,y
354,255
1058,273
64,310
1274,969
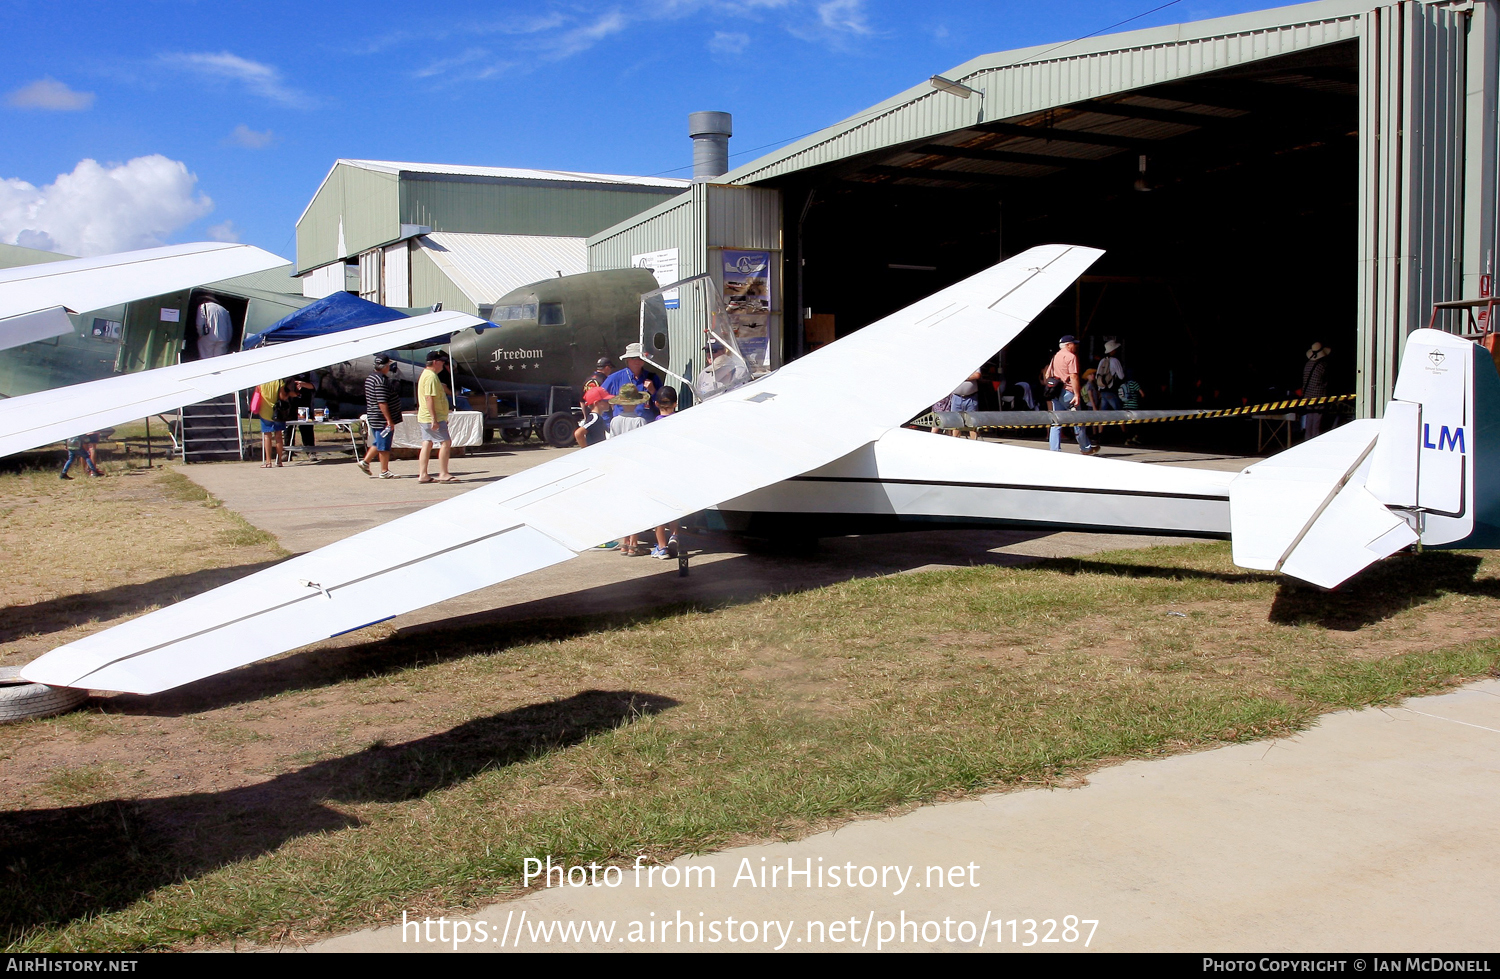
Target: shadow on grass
x,y
1085,565
66,611
57,865
478,634
1387,588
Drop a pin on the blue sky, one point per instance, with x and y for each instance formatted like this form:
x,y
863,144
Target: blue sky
x,y
219,119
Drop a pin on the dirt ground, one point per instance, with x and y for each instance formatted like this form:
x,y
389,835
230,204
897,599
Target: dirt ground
x,y
267,758
99,552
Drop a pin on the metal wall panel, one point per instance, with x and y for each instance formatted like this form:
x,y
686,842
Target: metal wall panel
x,y
679,223
1414,189
318,227
430,285
748,218
1481,153
518,207
395,275
355,205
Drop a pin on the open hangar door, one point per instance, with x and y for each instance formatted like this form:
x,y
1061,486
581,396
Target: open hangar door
x,y
1227,256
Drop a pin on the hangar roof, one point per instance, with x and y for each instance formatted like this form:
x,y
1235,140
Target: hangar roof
x,y
1091,77
513,173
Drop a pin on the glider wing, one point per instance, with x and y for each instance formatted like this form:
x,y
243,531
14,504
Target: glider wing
x,y
786,423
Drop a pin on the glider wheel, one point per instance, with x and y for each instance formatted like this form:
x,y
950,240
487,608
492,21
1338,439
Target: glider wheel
x,y
557,430
21,700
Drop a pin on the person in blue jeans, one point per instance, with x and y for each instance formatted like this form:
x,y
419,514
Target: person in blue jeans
x,y
81,446
1064,367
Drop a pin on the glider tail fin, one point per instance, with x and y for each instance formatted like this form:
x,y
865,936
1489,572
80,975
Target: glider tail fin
x,y
1429,470
1437,458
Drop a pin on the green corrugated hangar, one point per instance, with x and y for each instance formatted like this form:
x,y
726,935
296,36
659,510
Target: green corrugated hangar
x,y
1321,172
415,234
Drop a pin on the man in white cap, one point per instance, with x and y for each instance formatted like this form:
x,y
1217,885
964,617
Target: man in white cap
x,y
634,372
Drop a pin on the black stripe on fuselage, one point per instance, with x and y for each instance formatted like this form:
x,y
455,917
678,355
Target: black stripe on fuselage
x,y
779,525
1086,490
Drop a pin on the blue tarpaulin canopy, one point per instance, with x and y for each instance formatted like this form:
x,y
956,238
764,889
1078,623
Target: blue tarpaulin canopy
x,y
331,314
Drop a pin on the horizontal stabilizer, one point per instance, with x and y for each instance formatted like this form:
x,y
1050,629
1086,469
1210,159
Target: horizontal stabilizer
x,y
1307,513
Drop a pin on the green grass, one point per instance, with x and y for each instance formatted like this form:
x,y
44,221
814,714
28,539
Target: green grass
x,y
690,729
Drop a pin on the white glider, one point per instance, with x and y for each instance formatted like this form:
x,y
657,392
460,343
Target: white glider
x,y
32,420
787,423
35,299
1429,470
789,450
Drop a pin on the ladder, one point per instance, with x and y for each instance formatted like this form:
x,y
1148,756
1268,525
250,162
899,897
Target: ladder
x,y
211,430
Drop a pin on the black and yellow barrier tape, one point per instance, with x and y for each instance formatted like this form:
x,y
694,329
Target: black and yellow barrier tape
x,y
969,420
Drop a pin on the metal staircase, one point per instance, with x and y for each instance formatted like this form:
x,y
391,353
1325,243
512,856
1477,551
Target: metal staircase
x,y
211,430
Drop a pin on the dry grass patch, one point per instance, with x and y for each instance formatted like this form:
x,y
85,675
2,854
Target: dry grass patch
x,y
331,788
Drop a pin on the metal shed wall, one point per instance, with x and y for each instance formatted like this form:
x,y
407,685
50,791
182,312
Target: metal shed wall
x,y
430,284
364,202
519,207
677,223
701,223
1427,173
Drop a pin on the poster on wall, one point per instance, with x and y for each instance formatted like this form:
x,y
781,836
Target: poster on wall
x,y
663,265
747,300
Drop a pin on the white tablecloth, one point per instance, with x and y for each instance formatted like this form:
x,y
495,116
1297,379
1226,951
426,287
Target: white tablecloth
x,y
466,428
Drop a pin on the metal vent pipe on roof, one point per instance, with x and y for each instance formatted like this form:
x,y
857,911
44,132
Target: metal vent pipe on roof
x,y
710,132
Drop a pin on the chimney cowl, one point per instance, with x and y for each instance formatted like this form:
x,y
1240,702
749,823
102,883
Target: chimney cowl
x,y
710,132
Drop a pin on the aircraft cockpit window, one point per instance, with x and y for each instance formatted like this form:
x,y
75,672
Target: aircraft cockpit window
x,y
523,312
551,315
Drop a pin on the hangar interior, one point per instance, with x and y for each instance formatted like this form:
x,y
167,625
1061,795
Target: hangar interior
x,y
1227,255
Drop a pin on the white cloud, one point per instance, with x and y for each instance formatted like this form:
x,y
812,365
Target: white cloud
x,y
260,79
728,44
98,209
250,139
585,36
49,93
443,66
224,231
844,16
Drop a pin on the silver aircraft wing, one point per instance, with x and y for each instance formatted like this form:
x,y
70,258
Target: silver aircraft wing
x,y
32,420
798,418
79,284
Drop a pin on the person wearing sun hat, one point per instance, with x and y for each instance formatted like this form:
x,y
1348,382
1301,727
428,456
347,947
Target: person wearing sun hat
x,y
634,373
627,403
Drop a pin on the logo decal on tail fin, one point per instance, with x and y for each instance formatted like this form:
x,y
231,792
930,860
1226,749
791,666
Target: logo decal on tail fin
x,y
1449,440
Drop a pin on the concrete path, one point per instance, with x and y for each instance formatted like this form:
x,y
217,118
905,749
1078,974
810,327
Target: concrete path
x,y
1372,831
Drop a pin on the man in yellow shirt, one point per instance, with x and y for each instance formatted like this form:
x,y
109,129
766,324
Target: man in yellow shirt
x,y
432,418
270,427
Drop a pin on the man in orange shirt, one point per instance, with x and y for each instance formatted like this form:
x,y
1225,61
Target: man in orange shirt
x,y
1064,367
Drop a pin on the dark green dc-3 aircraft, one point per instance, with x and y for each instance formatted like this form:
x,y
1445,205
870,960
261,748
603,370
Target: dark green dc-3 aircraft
x,y
552,333
545,342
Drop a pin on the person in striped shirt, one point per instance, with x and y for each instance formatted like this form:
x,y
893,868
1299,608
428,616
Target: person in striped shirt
x,y
382,412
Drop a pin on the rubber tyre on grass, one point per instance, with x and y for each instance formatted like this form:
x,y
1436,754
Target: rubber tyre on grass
x,y
20,700
557,430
